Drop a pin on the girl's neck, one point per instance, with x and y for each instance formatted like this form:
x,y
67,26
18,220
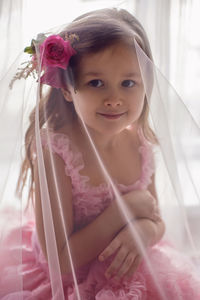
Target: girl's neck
x,y
103,142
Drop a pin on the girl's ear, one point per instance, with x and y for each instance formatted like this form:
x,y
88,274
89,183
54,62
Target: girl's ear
x,y
67,94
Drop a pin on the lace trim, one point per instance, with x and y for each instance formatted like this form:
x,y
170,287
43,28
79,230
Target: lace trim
x,y
62,145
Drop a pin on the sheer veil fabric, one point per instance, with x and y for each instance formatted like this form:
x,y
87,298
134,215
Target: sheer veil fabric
x,y
60,148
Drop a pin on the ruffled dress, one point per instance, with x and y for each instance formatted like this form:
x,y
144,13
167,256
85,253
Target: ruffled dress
x,y
174,278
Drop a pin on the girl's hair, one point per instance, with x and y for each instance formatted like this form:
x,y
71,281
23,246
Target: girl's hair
x,y
95,31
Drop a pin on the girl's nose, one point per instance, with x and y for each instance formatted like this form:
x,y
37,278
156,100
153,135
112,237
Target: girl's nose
x,y
113,100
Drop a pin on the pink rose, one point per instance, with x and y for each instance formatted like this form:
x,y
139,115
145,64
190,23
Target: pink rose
x,y
56,52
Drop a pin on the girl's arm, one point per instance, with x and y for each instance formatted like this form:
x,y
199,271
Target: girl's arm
x,y
129,255
125,246
86,243
158,225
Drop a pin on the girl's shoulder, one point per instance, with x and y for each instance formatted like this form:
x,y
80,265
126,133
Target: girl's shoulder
x,y
61,143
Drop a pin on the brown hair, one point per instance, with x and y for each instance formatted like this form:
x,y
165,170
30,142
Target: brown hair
x,y
96,31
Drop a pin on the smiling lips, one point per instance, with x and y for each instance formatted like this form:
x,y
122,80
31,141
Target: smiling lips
x,y
111,115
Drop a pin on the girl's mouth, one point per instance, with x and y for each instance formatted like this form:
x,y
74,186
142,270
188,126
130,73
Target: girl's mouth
x,y
111,116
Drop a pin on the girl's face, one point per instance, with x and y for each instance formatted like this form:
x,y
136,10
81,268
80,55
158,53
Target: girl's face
x,y
110,92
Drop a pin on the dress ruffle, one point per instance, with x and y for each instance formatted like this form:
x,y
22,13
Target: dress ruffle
x,y
24,275
63,146
89,201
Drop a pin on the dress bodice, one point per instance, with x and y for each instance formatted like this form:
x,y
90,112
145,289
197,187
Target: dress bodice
x,y
88,200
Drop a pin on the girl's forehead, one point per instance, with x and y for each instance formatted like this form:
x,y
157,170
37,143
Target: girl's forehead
x,y
116,56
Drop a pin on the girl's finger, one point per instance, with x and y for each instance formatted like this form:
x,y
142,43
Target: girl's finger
x,y
128,262
109,250
133,267
116,263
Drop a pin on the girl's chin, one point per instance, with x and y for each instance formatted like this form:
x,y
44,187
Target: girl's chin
x,y
107,131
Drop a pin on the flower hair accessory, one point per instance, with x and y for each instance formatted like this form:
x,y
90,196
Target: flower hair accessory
x,y
55,53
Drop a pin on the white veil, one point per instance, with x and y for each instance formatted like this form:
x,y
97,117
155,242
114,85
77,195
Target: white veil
x,y
32,264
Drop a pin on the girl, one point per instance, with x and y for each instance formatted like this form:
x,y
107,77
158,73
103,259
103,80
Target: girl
x,y
89,146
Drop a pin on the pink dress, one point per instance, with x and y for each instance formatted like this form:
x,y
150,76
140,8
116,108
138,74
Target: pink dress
x,y
173,276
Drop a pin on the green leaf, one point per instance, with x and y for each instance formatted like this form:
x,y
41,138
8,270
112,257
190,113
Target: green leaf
x,y
30,49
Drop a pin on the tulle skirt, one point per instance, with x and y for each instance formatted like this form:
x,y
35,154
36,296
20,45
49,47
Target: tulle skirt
x,y
28,278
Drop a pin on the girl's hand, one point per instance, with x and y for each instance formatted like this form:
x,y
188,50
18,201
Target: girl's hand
x,y
129,256
142,204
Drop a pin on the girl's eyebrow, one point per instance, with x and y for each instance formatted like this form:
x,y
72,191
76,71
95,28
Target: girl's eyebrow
x,y
91,73
132,74
96,74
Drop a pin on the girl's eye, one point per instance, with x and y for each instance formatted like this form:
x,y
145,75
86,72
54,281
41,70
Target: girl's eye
x,y
128,83
96,83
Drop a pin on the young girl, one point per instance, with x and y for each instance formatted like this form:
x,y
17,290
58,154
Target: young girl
x,y
97,230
